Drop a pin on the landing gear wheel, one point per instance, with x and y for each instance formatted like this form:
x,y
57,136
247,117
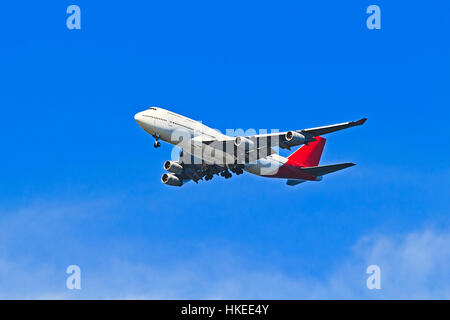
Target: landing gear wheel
x,y
226,174
157,144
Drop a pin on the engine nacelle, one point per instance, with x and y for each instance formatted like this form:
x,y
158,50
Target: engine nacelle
x,y
294,138
171,179
173,166
242,141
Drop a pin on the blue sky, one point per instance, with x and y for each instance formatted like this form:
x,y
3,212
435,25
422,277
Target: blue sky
x,y
81,181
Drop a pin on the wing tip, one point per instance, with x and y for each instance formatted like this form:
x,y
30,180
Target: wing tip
x,y
348,165
361,122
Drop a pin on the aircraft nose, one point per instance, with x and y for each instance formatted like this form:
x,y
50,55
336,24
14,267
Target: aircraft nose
x,y
138,117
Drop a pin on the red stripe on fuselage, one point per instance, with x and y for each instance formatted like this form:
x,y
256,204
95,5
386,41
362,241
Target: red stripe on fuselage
x,y
292,170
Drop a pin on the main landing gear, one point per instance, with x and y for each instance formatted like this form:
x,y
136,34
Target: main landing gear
x,y
237,169
226,174
157,144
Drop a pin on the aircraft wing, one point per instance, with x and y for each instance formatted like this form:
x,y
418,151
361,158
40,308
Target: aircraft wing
x,y
335,127
222,153
195,171
289,139
260,146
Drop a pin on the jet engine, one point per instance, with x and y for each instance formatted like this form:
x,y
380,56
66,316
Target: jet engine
x,y
242,141
294,138
171,179
173,166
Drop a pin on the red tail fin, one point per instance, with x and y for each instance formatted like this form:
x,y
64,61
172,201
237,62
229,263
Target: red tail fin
x,y
309,155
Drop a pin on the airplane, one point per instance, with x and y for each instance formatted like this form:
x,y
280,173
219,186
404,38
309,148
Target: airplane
x,y
206,152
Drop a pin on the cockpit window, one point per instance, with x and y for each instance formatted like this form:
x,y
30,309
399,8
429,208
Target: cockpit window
x,y
152,108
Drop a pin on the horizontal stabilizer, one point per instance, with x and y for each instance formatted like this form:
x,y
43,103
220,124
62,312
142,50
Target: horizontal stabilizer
x,y
322,170
294,182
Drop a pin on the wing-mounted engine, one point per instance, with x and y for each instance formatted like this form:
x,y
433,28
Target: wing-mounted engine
x,y
293,138
171,179
173,167
243,141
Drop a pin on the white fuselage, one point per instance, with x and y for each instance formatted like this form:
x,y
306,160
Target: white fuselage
x,y
169,126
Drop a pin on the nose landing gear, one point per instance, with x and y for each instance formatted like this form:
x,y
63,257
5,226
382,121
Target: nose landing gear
x,y
157,144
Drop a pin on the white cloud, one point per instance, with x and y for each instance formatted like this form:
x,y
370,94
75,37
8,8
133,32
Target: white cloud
x,y
413,266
